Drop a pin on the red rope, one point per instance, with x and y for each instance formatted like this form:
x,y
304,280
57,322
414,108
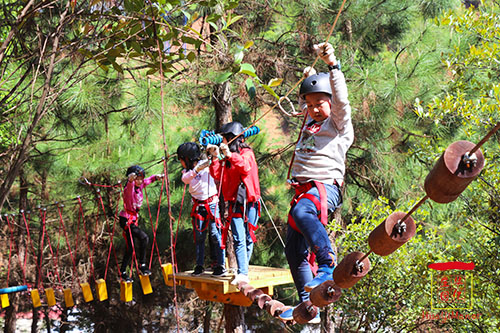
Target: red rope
x,y
134,256
155,227
111,245
177,230
59,209
86,238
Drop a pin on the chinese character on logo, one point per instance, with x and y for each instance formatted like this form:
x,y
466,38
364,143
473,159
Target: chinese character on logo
x,y
451,285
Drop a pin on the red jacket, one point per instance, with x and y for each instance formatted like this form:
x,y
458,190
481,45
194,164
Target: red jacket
x,y
243,169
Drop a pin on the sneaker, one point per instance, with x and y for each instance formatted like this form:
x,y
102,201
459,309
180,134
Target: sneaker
x,y
126,277
144,269
324,273
240,278
198,270
288,315
219,271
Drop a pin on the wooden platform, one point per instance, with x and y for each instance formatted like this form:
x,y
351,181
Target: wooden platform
x,y
220,289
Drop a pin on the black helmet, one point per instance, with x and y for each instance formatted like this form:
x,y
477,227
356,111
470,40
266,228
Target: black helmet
x,y
139,171
316,83
234,128
189,151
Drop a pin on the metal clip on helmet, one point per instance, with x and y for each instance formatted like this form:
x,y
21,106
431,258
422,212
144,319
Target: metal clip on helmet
x,y
317,83
234,128
139,171
189,151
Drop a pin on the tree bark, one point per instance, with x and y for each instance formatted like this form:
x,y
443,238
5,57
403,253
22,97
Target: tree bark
x,y
221,98
235,320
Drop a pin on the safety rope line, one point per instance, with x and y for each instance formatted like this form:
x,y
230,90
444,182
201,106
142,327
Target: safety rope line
x,y
165,165
86,238
274,225
59,209
155,228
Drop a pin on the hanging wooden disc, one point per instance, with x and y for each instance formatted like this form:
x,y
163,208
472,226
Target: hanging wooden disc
x,y
326,293
386,238
346,273
450,176
304,312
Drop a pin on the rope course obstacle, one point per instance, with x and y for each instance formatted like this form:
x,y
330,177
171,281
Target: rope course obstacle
x,y
457,167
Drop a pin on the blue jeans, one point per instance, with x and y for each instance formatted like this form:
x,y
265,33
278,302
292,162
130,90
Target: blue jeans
x,y
243,243
214,235
313,236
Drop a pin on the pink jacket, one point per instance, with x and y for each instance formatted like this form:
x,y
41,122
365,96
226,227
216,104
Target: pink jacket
x,y
133,197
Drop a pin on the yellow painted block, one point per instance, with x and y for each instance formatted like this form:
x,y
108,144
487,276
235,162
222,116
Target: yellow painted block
x,y
126,291
102,291
68,298
87,292
145,284
5,300
166,270
35,297
51,297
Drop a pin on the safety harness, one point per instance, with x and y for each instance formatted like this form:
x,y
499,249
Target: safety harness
x,y
132,219
232,214
197,216
321,206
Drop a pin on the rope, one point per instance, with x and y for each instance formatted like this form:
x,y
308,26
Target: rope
x,y
155,228
134,256
111,245
274,225
178,224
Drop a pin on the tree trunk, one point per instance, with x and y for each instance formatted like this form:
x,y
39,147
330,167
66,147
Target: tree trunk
x,y
22,247
208,316
235,321
221,98
10,314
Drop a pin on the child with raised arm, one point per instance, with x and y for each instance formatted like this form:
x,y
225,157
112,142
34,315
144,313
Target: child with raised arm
x,y
205,212
241,189
129,219
317,174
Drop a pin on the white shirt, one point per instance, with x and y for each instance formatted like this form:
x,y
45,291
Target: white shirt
x,y
201,185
